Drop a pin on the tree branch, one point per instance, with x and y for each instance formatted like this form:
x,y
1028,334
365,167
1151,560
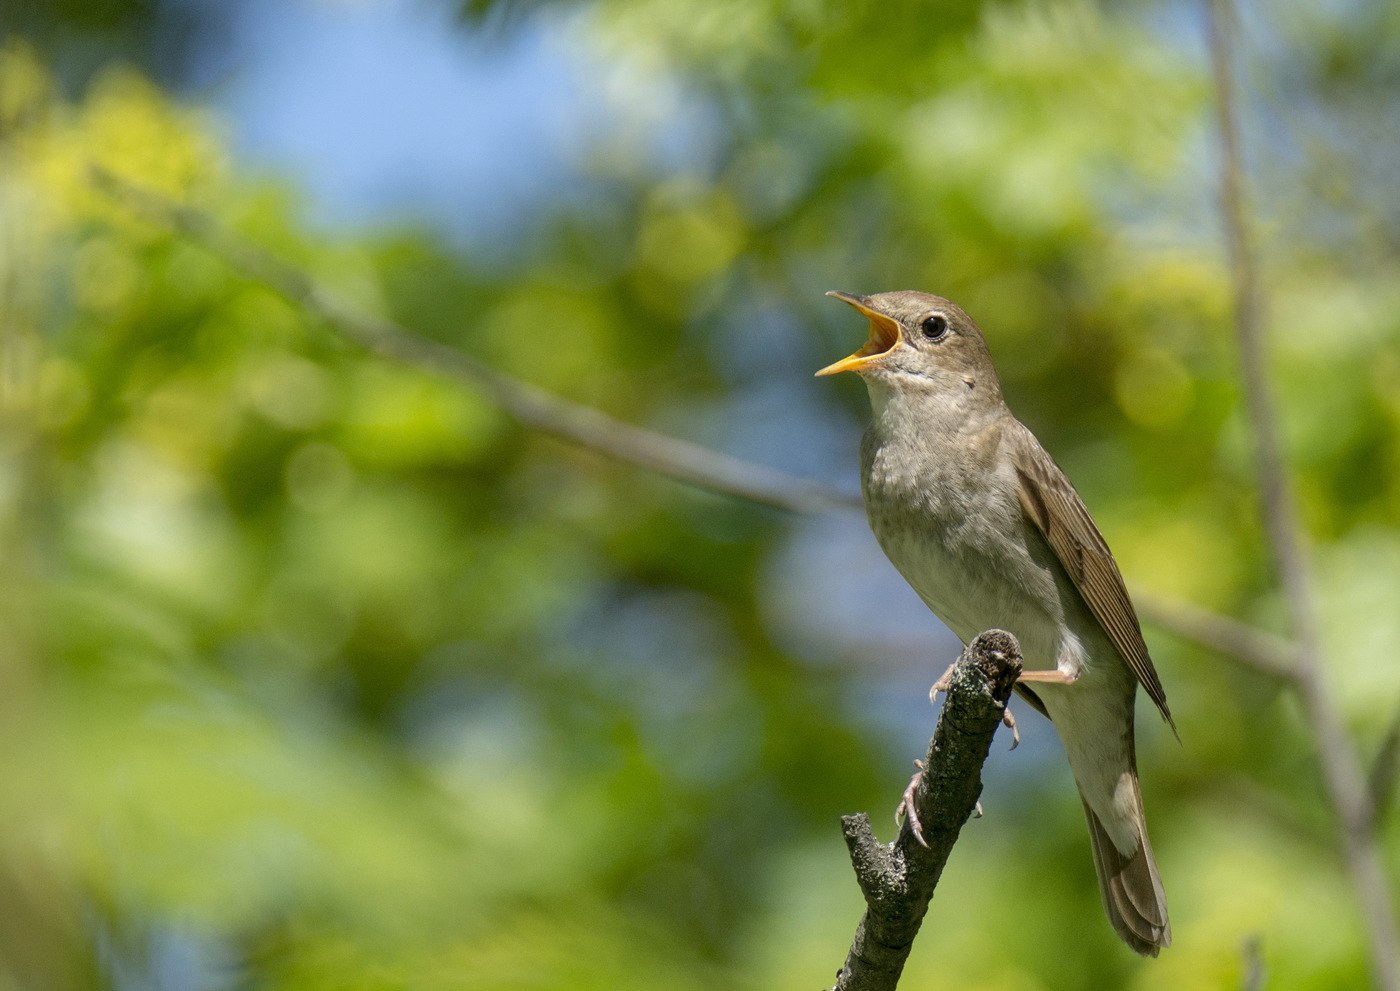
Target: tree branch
x,y
898,880
1342,777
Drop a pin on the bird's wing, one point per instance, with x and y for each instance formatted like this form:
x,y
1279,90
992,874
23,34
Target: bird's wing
x,y
1050,501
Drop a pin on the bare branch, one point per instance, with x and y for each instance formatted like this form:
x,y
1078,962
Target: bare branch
x,y
1341,771
531,406
898,880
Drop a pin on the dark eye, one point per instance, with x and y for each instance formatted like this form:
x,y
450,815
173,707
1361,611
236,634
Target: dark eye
x,y
935,325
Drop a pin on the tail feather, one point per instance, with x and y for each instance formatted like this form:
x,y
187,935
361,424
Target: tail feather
x,y
1131,888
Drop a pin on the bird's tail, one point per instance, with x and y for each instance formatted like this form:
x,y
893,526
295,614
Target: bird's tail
x,y
1131,888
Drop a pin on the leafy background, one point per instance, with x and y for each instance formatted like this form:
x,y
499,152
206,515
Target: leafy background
x,y
320,672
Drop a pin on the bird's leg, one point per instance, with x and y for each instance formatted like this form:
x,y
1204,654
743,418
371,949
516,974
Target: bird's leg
x,y
1055,676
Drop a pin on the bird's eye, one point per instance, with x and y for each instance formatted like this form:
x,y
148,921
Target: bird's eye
x,y
935,325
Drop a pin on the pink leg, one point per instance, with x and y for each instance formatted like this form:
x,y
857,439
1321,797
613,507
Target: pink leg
x,y
1052,677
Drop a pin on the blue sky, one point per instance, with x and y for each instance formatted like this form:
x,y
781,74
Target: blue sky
x,y
384,110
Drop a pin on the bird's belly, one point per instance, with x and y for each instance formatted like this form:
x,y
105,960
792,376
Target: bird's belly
x,y
971,590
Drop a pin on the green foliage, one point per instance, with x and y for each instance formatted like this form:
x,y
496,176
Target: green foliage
x,y
322,673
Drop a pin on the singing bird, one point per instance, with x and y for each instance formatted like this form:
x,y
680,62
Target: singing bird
x,y
986,528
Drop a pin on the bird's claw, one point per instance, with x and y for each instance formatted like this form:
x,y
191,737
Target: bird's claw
x,y
944,682
906,806
1009,721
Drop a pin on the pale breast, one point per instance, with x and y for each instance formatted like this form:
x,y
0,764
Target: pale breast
x,y
953,527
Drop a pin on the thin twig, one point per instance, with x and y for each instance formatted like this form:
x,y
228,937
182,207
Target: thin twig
x,y
1342,777
590,428
898,880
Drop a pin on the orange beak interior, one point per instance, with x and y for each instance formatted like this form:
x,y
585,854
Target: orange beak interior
x,y
884,334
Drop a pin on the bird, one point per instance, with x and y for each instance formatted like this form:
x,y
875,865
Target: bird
x,y
982,523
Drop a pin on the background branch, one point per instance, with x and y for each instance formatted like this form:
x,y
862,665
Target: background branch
x,y
1342,777
1265,652
1252,952
527,404
898,880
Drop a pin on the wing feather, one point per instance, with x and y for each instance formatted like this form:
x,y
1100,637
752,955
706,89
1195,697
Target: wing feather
x,y
1052,504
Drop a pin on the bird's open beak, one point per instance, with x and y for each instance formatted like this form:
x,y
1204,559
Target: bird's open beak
x,y
884,334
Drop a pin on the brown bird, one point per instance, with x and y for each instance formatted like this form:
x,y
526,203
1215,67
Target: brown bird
x,y
989,532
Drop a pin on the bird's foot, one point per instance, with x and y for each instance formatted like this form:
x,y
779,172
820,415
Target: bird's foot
x,y
906,806
941,685
1009,721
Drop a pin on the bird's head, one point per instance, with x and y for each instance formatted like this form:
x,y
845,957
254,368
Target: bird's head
x,y
917,339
